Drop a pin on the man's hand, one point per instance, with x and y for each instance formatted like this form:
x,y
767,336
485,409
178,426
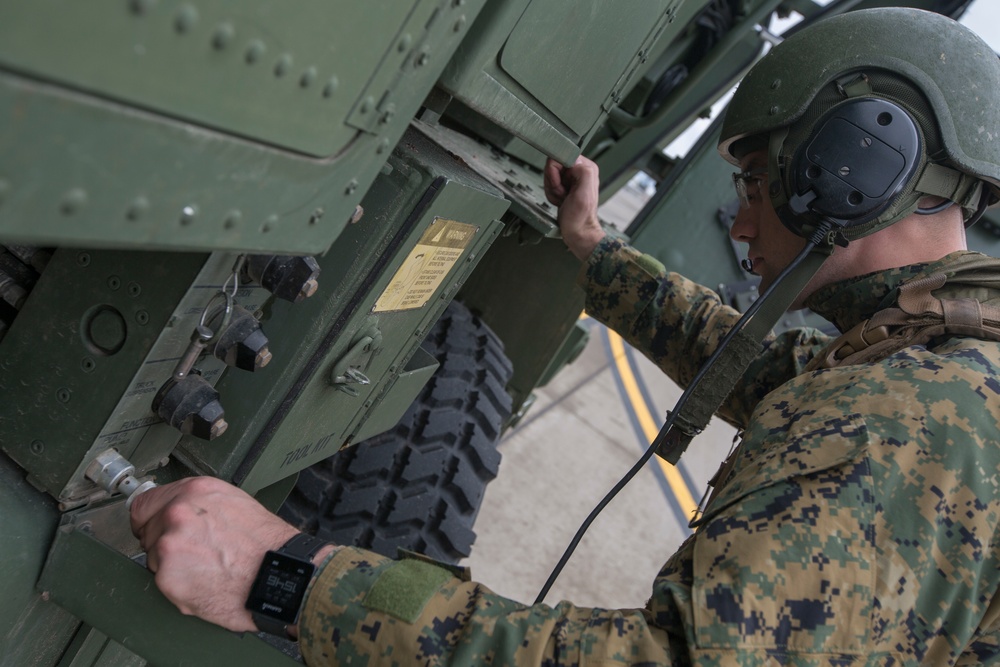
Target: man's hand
x,y
575,191
205,540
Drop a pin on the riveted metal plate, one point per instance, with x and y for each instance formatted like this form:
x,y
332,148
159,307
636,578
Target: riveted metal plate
x,y
287,75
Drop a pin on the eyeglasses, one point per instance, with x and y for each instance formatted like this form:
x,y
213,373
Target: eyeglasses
x,y
747,184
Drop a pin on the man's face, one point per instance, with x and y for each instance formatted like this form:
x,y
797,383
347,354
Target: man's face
x,y
771,246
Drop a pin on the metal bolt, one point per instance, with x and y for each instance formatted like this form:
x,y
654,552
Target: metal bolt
x,y
387,114
776,84
357,215
137,208
331,86
283,65
232,219
382,147
140,7
351,187
269,223
773,110
423,59
37,447
223,36
866,142
187,18
308,77
459,23
316,216
404,43
366,104
187,214
844,171
73,201
255,51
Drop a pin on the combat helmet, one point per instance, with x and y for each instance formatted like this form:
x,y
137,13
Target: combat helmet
x,y
865,113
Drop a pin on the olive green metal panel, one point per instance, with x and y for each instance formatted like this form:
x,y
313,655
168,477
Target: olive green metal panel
x,y
582,76
33,631
79,169
400,395
73,353
118,597
287,76
510,73
290,414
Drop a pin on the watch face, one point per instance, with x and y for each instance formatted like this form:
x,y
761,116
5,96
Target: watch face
x,y
280,586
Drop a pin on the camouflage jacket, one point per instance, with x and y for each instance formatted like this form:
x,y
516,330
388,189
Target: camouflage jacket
x,y
856,527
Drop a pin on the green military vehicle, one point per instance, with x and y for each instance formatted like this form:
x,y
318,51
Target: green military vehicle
x,y
305,248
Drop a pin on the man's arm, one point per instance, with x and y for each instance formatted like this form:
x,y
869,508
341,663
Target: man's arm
x,y
205,540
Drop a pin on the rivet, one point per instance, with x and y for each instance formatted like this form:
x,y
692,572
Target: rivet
x,y
137,208
73,201
87,364
423,59
134,289
63,395
187,17
269,223
331,86
382,147
223,36
773,110
83,259
37,447
458,3
255,51
459,23
404,43
351,187
232,219
776,84
316,216
142,317
114,282
308,77
387,114
366,104
187,214
140,7
283,65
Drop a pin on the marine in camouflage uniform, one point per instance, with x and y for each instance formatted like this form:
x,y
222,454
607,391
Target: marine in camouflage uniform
x,y
858,524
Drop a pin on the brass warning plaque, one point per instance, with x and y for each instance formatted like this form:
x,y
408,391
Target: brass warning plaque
x,y
425,268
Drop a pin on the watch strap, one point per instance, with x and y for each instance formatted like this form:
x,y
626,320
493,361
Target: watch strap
x,y
302,547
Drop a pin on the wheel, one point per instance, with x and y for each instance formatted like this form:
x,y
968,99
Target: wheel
x,y
420,485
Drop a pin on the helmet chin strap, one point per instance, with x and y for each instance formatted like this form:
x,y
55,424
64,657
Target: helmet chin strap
x,y
720,373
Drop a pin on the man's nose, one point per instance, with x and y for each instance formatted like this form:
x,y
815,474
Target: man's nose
x,y
744,227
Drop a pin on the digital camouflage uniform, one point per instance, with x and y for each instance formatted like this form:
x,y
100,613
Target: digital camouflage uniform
x,y
856,527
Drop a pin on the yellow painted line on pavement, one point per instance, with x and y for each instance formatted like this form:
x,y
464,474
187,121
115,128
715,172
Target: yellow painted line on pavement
x,y
648,424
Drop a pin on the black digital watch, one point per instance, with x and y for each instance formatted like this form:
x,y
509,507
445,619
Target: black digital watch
x,y
280,587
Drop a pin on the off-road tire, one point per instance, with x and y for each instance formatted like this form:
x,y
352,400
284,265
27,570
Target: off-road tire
x,y
419,486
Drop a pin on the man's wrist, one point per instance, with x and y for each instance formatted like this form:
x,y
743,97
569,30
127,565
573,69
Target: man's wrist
x,y
321,557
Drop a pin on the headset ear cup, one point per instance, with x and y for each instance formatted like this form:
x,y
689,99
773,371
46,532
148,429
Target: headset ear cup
x,y
859,157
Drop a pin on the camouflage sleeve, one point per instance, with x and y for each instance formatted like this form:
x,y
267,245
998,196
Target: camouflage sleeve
x,y
365,609
678,324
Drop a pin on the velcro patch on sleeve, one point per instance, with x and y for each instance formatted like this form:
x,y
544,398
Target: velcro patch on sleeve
x,y
404,589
